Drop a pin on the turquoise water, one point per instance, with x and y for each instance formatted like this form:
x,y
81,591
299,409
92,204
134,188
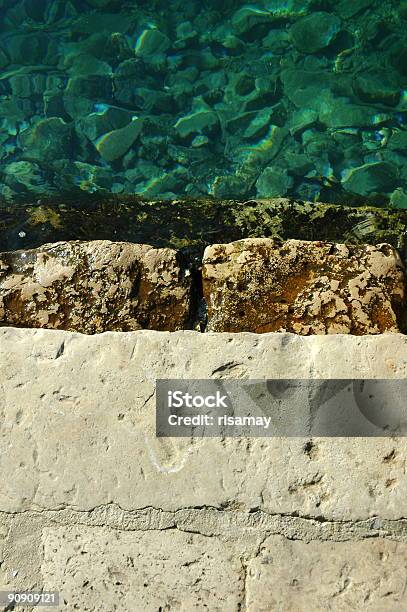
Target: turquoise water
x,y
187,99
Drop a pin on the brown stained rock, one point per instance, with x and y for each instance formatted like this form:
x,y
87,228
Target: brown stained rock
x,y
93,287
263,285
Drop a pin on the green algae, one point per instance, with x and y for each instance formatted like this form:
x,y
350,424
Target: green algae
x,y
191,225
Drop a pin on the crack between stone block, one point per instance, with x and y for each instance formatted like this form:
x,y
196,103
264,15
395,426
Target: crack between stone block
x,y
210,521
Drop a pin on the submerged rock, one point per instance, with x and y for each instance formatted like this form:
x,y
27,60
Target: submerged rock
x,y
282,9
99,3
398,199
200,141
273,182
213,83
229,186
255,156
249,16
47,140
375,177
91,287
104,119
340,112
116,143
347,9
151,42
374,86
302,119
398,141
262,285
315,32
26,175
166,183
259,124
199,121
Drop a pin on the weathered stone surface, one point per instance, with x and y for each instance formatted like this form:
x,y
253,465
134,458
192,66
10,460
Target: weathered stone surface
x,y
78,426
94,286
320,576
94,505
261,285
167,570
257,285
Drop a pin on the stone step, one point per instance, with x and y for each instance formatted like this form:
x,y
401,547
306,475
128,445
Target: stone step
x,y
255,284
64,392
89,492
261,285
95,286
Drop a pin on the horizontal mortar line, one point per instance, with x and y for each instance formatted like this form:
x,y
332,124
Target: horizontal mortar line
x,y
221,509
212,521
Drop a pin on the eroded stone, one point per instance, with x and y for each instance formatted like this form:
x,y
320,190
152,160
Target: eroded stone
x,y
167,570
94,286
319,576
262,285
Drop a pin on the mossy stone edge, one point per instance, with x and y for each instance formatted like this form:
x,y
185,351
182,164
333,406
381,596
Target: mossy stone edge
x,y
190,225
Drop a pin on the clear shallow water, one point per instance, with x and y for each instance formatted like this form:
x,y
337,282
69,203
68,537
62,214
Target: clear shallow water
x,y
185,99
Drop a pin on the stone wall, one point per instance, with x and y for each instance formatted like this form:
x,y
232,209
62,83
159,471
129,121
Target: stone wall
x,y
93,504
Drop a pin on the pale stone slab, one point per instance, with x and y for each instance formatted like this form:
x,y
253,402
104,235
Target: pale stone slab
x,y
288,575
95,286
78,426
102,569
92,504
263,285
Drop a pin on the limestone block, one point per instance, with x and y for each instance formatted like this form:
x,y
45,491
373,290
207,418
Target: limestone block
x,y
262,285
91,287
365,575
78,426
104,569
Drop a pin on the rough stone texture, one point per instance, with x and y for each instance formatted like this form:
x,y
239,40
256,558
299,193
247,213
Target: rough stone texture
x,y
262,285
94,286
256,284
81,406
167,570
320,576
94,504
180,571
